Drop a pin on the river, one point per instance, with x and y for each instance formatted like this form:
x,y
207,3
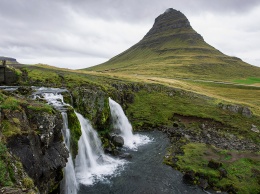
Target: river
x,y
145,173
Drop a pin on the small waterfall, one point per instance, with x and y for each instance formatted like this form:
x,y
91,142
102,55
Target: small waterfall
x,y
91,162
69,184
120,121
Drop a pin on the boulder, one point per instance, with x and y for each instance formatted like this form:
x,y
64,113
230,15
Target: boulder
x,y
214,164
246,112
118,141
25,90
203,183
189,177
223,172
254,129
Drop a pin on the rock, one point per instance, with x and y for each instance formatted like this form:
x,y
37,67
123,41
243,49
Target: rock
x,y
203,183
254,129
108,150
24,90
118,141
125,156
175,124
214,164
203,126
246,112
40,148
223,172
189,177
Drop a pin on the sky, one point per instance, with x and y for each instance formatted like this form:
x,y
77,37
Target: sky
x,y
81,33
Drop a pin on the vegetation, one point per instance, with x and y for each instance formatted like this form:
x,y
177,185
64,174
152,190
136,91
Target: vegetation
x,y
10,103
168,73
239,167
75,131
40,107
5,170
153,108
249,80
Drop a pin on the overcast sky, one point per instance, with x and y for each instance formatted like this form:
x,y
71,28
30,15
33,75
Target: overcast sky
x,y
81,33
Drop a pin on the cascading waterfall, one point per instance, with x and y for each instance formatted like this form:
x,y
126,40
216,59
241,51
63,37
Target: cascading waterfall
x,y
69,184
91,164
120,121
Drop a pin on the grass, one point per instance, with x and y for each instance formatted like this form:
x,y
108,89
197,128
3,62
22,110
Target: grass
x,y
8,129
240,166
163,93
40,107
10,103
153,108
5,179
249,80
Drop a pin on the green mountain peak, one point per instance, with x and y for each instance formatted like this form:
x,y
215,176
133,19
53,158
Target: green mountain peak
x,y
172,48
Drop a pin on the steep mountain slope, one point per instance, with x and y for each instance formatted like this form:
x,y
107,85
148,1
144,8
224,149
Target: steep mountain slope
x,y
173,48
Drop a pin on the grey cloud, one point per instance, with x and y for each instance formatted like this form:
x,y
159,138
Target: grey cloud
x,y
48,27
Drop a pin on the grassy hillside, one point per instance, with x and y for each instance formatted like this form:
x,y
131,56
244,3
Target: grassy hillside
x,y
172,48
160,102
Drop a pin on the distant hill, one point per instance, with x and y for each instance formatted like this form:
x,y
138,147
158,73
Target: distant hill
x,y
172,48
8,59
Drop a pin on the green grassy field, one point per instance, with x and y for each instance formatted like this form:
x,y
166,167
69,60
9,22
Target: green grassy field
x,y
159,99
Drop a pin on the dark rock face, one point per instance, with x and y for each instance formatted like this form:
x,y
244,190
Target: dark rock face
x,y
170,19
172,24
189,177
40,147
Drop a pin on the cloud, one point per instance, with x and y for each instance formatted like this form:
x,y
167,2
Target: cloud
x,y
86,32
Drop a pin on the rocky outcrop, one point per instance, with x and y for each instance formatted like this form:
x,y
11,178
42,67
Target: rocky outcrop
x,y
243,110
117,141
92,103
38,143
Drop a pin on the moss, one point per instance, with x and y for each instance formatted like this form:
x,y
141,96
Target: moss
x,y
244,167
5,179
10,103
8,129
75,131
28,182
41,107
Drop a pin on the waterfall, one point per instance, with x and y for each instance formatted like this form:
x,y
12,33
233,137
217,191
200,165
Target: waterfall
x,y
121,123
91,164
70,185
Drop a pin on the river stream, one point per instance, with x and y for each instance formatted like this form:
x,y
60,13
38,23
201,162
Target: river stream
x,y
144,173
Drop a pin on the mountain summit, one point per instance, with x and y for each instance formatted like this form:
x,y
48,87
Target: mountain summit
x,y
172,48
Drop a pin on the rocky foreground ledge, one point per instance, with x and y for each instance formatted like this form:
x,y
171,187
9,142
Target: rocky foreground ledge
x,y
31,132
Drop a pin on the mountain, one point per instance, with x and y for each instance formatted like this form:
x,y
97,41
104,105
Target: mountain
x,y
172,48
12,60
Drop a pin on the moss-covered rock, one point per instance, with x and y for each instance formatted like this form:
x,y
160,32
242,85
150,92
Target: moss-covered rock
x,y
92,103
32,152
75,131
